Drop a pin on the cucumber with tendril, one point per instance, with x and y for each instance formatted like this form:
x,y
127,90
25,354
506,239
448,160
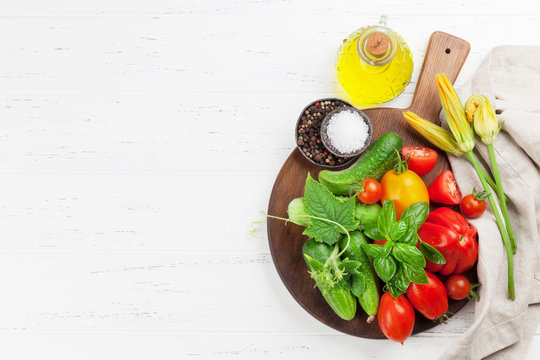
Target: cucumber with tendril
x,y
373,163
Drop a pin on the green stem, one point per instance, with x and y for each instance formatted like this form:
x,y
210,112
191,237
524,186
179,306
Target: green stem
x,y
490,181
502,199
322,219
511,291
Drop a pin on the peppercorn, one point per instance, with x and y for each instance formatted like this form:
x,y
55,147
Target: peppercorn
x,y
309,128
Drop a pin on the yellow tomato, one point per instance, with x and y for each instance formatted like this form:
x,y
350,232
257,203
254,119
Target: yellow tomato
x,y
404,189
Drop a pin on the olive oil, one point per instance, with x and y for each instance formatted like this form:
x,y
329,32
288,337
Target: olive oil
x,y
374,65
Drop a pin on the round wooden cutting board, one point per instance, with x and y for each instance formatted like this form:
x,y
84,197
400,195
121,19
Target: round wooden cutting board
x,y
445,54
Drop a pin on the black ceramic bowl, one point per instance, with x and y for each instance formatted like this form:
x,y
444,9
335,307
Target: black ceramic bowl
x,y
345,161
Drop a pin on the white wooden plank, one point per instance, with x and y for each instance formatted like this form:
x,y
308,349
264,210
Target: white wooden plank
x,y
156,292
222,346
251,7
134,213
232,54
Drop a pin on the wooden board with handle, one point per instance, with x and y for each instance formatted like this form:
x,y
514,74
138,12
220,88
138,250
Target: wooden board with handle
x,y
445,54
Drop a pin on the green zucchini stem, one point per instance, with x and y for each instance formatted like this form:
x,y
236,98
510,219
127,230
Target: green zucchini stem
x,y
511,290
491,183
500,194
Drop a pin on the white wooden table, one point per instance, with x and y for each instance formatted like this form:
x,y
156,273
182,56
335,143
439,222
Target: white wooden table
x,y
138,141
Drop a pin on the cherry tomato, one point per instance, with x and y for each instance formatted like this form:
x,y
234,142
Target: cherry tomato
x,y
473,205
429,299
444,189
404,189
372,192
380,242
395,317
421,159
458,287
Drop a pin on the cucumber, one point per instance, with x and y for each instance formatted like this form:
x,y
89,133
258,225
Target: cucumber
x,y
297,212
373,163
340,300
366,214
365,284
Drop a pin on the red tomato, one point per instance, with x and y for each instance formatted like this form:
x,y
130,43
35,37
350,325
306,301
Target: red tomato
x,y
472,207
444,189
395,317
421,159
449,232
429,299
380,242
458,287
372,192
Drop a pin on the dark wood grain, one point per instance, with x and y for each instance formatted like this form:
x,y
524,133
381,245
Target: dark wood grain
x,y
445,53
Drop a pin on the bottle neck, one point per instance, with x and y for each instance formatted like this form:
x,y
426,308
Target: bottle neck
x,y
377,45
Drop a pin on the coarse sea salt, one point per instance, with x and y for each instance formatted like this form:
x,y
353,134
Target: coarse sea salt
x,y
347,131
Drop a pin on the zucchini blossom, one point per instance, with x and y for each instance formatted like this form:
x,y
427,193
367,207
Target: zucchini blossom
x,y
455,114
435,134
480,112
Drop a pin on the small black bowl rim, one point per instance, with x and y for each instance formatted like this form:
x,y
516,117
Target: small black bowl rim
x,y
296,134
364,117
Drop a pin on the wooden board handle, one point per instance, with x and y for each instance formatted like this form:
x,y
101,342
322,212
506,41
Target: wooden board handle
x,y
445,54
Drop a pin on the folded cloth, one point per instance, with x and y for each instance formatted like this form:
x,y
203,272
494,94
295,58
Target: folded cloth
x,y
502,329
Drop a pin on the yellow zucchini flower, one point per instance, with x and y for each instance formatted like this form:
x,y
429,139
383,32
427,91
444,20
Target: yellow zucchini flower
x,y
480,112
455,114
435,134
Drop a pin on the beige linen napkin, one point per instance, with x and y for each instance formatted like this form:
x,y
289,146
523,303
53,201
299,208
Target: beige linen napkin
x,y
502,329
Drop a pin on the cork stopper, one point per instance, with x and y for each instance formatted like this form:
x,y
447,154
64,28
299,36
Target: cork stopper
x,y
377,44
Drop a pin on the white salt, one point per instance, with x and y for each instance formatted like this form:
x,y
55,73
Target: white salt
x,y
347,131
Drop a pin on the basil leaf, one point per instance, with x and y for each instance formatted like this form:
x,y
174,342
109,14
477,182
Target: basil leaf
x,y
387,247
387,217
398,229
320,202
400,281
373,232
410,237
409,254
431,254
373,250
417,212
394,290
385,267
415,274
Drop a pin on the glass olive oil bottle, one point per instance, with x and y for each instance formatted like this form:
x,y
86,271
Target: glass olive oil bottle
x,y
374,65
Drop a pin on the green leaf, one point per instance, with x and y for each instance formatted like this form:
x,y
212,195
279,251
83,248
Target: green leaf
x,y
387,247
431,254
321,203
398,229
394,290
415,274
417,212
409,254
400,281
387,217
385,267
410,237
350,266
321,232
373,250
373,232
324,278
